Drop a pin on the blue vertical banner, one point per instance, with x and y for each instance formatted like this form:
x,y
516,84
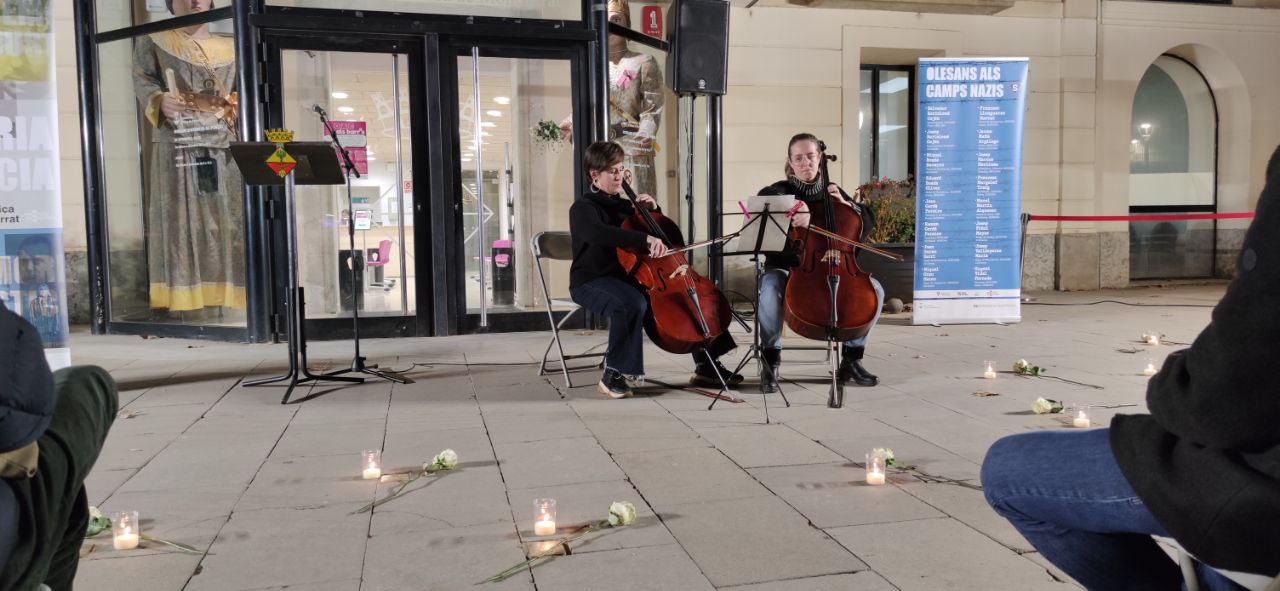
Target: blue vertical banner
x,y
969,190
31,259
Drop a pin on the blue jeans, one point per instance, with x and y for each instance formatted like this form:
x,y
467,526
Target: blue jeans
x,y
1065,493
625,307
773,285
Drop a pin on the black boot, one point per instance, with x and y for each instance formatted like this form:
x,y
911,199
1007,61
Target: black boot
x,y
613,385
704,374
770,359
851,370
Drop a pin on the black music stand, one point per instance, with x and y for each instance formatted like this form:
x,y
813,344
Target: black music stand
x,y
762,222
317,164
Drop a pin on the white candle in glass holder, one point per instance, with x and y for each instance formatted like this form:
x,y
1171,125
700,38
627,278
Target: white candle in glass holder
x,y
1153,339
372,462
875,470
124,526
1081,421
544,517
1150,370
990,372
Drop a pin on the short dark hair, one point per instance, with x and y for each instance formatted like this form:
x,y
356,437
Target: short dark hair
x,y
601,155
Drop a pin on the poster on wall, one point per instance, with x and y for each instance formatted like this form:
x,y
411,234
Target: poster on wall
x,y
969,190
354,136
31,259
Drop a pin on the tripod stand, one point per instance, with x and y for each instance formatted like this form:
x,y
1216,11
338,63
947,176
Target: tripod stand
x,y
317,165
763,219
357,361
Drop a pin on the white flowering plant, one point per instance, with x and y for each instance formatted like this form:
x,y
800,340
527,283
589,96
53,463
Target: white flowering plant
x,y
444,461
547,134
1046,406
621,514
1024,368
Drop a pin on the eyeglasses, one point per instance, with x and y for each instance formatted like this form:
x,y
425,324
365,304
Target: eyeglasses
x,y
810,157
615,171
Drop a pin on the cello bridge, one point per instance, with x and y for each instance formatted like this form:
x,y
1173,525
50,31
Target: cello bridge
x,y
832,257
681,270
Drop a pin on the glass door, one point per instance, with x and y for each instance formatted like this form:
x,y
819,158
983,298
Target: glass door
x,y
517,175
365,95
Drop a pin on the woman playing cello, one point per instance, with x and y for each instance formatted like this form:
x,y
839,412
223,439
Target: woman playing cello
x,y
805,153
599,283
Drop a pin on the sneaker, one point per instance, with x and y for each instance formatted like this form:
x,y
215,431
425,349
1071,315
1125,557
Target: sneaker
x,y
705,375
851,371
613,385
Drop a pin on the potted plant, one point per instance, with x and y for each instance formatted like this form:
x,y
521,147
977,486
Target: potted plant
x,y
894,204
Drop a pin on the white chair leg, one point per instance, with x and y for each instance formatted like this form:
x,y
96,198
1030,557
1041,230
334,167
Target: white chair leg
x,y
1188,566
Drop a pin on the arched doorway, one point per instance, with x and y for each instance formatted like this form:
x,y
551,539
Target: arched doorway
x,y
1172,169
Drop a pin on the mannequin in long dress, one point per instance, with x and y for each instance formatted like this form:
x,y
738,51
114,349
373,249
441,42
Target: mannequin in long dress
x,y
185,81
635,104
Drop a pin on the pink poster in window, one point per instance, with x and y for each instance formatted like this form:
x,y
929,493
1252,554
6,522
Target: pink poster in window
x,y
354,136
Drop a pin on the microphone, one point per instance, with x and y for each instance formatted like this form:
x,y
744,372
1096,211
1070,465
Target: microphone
x,y
317,109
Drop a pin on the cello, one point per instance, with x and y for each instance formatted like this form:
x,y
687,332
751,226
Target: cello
x,y
686,310
829,265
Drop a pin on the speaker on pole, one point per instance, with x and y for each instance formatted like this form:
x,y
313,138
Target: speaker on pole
x,y
698,59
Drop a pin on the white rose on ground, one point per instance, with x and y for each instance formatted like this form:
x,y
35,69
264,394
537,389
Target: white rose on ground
x,y
1020,366
1044,406
622,513
445,460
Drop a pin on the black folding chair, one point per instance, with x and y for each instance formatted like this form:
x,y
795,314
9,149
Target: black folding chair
x,y
557,246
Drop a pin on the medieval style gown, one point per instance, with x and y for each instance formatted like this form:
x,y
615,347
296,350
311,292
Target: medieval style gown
x,y
194,210
635,107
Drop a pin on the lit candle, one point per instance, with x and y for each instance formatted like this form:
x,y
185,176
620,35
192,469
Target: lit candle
x,y
1150,370
875,469
990,372
544,517
125,533
1153,339
372,462
1081,420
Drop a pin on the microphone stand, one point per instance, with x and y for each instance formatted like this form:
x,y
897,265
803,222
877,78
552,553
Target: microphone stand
x,y
357,362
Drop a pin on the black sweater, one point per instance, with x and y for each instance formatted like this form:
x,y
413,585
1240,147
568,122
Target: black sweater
x,y
814,196
1206,461
594,220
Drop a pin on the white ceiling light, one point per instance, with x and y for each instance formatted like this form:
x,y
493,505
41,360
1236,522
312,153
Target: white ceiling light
x,y
502,100
345,109
485,134
339,95
488,124
494,113
370,158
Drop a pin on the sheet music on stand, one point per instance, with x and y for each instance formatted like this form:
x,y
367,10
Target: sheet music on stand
x,y
764,230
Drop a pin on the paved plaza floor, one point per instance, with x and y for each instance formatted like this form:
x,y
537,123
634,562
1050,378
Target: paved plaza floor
x,y
267,492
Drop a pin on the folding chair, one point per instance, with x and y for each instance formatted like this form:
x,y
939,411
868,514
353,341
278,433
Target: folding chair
x,y
1249,581
557,246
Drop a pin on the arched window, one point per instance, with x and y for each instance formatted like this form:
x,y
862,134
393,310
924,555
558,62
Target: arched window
x,y
1172,169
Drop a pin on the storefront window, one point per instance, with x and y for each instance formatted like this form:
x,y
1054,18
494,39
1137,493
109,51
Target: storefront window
x,y
885,124
541,9
119,14
174,199
1172,163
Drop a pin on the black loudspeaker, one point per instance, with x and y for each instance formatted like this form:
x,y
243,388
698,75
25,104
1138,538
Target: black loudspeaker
x,y
698,59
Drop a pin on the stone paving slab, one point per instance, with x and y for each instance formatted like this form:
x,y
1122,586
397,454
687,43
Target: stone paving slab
x,y
454,558
862,581
832,495
555,461
724,500
959,557
692,475
755,540
657,568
